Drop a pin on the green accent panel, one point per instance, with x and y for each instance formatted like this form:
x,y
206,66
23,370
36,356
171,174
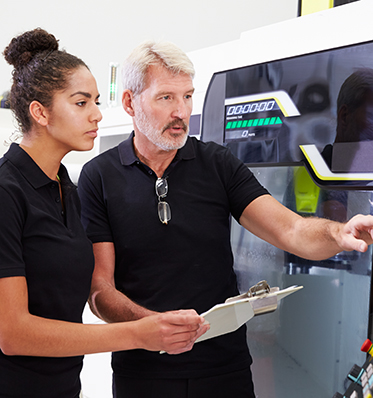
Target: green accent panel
x,y
306,191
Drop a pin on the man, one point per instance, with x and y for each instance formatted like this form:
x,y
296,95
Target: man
x,y
157,210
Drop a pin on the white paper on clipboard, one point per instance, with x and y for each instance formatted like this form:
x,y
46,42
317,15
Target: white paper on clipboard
x,y
228,317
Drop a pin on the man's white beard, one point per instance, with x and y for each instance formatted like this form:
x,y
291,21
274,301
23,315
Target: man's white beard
x,y
157,137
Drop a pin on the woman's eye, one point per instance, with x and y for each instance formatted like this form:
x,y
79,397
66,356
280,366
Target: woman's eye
x,y
81,103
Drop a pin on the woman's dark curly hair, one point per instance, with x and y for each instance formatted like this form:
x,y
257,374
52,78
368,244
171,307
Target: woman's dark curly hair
x,y
40,69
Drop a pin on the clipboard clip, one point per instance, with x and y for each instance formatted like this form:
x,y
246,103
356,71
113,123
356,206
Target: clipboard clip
x,y
259,299
259,289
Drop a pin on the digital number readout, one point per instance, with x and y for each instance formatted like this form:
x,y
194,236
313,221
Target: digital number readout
x,y
254,107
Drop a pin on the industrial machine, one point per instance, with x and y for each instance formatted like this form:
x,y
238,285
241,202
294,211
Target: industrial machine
x,y
281,118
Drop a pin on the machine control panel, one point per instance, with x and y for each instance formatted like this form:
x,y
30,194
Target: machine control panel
x,y
361,377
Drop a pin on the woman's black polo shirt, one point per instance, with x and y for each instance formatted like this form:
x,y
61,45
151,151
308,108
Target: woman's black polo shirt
x,y
48,246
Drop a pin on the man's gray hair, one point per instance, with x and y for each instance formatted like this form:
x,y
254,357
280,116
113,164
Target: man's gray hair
x,y
150,53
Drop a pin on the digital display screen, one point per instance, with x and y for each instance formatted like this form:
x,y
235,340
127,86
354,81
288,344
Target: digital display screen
x,y
264,113
252,120
298,110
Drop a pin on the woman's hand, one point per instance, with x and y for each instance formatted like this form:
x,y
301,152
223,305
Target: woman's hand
x,y
174,331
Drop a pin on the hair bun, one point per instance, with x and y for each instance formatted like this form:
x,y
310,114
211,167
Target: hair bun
x,y
23,48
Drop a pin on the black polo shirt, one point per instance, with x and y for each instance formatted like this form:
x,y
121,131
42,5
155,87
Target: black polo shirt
x,y
185,264
47,245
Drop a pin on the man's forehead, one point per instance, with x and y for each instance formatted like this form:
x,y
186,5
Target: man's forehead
x,y
159,76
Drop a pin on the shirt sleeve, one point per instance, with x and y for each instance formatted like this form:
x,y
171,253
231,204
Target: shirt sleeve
x,y
93,208
12,221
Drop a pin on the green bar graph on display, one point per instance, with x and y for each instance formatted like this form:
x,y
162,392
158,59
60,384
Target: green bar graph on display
x,y
269,121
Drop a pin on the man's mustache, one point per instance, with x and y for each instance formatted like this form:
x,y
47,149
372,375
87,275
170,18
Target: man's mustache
x,y
176,123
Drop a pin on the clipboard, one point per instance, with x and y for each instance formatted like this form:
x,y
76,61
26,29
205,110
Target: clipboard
x,y
229,316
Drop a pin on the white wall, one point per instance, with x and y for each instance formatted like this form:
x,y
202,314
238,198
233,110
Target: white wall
x,y
101,32
106,31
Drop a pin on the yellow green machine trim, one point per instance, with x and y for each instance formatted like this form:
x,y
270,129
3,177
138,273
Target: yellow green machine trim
x,y
323,176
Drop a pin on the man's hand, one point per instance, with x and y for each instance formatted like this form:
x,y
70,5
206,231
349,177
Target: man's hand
x,y
356,234
174,331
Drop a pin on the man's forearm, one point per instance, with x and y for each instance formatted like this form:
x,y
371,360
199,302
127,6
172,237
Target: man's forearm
x,y
324,238
311,238
113,306
317,238
105,300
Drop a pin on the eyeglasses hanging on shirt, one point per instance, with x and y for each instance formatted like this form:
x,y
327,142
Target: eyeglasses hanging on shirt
x,y
164,211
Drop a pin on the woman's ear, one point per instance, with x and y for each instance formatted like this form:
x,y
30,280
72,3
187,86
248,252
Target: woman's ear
x,y
39,113
127,102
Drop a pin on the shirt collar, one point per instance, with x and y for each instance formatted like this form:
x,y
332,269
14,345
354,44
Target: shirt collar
x,y
127,152
29,169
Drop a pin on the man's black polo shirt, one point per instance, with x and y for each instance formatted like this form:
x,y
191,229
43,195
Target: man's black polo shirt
x,y
185,264
48,247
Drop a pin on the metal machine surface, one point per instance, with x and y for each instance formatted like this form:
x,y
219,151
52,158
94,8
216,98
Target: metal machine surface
x,y
284,120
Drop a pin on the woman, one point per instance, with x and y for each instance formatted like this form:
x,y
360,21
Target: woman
x,y
46,261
